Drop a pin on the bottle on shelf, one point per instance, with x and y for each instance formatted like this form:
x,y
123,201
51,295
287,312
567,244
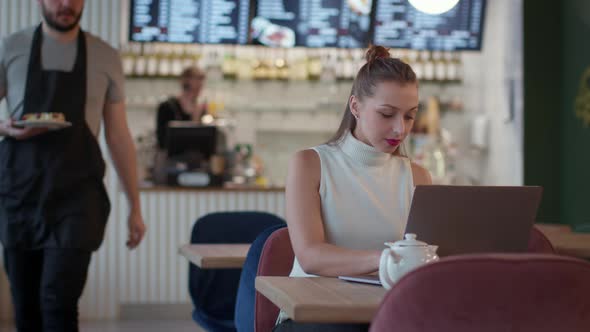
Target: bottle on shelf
x,y
414,60
404,56
152,61
395,53
440,67
140,68
177,60
282,65
349,66
245,63
211,62
270,58
259,70
189,56
196,54
128,57
457,67
314,65
428,65
358,56
229,64
299,68
328,58
164,57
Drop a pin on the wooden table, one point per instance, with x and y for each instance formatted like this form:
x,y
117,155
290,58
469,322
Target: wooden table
x,y
549,229
322,300
565,241
215,256
571,244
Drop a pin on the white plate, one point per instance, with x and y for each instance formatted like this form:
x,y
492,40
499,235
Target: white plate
x,y
49,124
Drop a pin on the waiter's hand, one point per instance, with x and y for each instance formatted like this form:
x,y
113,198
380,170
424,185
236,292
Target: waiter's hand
x,y
8,128
136,229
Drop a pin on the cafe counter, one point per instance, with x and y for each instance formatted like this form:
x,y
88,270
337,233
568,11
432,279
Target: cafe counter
x,y
155,273
233,188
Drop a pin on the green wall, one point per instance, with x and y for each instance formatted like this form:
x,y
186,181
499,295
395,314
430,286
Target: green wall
x,y
556,142
575,144
542,99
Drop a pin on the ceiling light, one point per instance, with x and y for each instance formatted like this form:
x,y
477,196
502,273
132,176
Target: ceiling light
x,y
434,7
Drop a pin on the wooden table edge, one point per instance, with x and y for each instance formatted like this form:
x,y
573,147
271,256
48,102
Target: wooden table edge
x,y
300,314
183,250
211,263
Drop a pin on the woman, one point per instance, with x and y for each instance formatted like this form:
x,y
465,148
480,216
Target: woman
x,y
183,107
347,197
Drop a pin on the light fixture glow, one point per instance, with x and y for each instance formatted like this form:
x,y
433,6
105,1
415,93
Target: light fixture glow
x,y
434,7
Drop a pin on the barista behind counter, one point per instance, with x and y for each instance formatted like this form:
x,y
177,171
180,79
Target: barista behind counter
x,y
183,107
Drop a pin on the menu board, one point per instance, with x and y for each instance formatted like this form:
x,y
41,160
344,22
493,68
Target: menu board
x,y
190,21
398,24
312,23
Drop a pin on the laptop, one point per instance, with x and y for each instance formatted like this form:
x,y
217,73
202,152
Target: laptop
x,y
474,219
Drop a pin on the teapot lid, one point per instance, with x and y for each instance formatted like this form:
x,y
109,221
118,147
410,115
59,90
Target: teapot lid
x,y
410,241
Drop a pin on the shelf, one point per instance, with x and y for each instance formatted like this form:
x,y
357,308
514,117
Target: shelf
x,y
286,82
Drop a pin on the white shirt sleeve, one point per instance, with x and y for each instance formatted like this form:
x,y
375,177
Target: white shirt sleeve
x,y
116,88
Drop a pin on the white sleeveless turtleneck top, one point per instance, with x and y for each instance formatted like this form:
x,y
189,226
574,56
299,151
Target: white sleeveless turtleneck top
x,y
365,195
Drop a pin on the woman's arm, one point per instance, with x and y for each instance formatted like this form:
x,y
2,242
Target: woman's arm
x,y
306,228
165,115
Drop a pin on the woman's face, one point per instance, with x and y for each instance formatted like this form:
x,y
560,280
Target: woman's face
x,y
385,119
193,84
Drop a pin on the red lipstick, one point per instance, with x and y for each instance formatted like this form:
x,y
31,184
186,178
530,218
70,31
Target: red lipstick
x,y
393,142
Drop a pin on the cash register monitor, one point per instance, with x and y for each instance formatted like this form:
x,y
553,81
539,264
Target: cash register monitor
x,y
188,137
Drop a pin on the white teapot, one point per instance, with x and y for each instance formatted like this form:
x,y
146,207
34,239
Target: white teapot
x,y
403,256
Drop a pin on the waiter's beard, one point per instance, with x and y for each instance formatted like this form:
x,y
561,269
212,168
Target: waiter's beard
x,y
52,22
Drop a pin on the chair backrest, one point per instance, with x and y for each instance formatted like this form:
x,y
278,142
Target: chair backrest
x,y
539,243
213,291
245,300
493,292
276,260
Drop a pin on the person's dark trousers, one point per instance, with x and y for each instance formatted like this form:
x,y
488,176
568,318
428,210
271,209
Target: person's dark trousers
x,y
46,285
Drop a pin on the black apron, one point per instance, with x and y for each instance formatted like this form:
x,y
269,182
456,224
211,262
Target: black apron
x,y
51,189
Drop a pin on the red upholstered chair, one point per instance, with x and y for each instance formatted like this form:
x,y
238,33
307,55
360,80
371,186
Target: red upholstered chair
x,y
276,260
539,243
493,292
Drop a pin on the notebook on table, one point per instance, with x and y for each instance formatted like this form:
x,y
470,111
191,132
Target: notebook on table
x,y
364,279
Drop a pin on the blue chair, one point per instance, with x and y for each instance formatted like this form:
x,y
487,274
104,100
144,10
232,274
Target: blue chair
x,y
245,301
213,291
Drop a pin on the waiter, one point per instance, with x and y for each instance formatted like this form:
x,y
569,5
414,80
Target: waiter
x,y
53,204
